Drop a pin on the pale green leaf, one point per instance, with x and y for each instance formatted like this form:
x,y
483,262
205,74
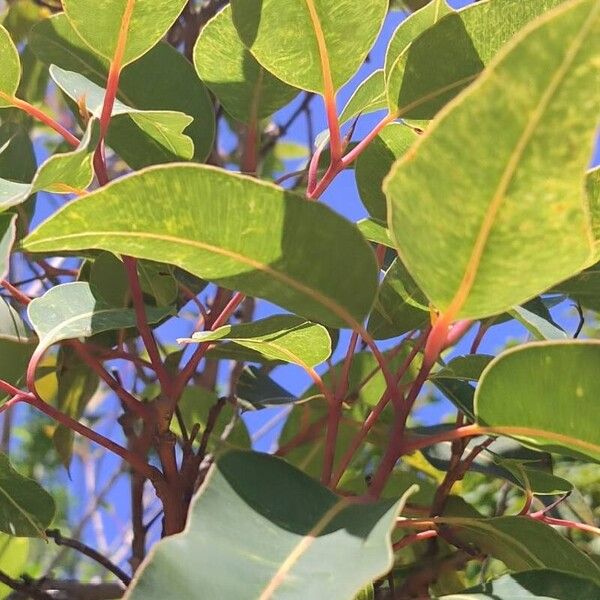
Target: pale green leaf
x,y
8,232
99,24
245,89
540,328
10,75
368,97
230,229
13,558
545,393
282,534
375,231
280,337
493,228
294,40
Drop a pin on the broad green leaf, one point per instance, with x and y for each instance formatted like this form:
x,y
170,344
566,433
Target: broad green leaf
x,y
304,43
557,383
26,509
229,229
99,25
593,192
538,482
8,232
229,430
464,368
368,97
522,543
11,69
535,584
522,224
375,231
280,337
164,127
256,390
539,327
17,158
13,558
246,90
448,56
177,89
71,310
282,533
411,28
400,305
375,163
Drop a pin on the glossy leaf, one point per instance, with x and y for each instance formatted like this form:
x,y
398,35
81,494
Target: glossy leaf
x,y
99,25
536,584
248,235
245,89
451,54
522,225
11,68
522,543
560,397
277,529
26,509
400,305
177,89
280,337
164,127
304,42
375,163
71,310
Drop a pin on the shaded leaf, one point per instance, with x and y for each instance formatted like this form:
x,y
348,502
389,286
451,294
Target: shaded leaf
x,y
248,235
258,390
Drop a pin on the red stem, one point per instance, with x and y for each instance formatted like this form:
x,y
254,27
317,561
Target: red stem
x,y
413,538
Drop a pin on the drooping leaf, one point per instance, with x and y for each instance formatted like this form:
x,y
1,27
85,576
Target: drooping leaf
x,y
451,54
164,127
539,327
11,68
247,91
282,532
375,163
71,310
522,225
177,89
99,25
535,584
545,388
26,509
230,229
522,543
305,43
400,305
257,390
280,337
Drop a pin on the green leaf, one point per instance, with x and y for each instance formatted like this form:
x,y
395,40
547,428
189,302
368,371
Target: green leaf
x,y
71,310
464,368
26,509
17,158
411,28
302,43
8,232
536,584
522,224
375,231
280,337
540,328
164,127
400,305
13,558
177,89
583,288
448,56
247,91
558,384
256,390
99,25
229,229
375,163
593,192
522,543
11,69
368,97
282,533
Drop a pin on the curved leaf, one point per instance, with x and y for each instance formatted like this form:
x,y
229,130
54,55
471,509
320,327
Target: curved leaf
x,y
99,25
247,91
522,224
10,75
557,383
280,337
306,43
230,229
281,532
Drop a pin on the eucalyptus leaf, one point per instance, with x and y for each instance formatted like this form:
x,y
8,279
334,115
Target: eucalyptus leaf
x,y
11,69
